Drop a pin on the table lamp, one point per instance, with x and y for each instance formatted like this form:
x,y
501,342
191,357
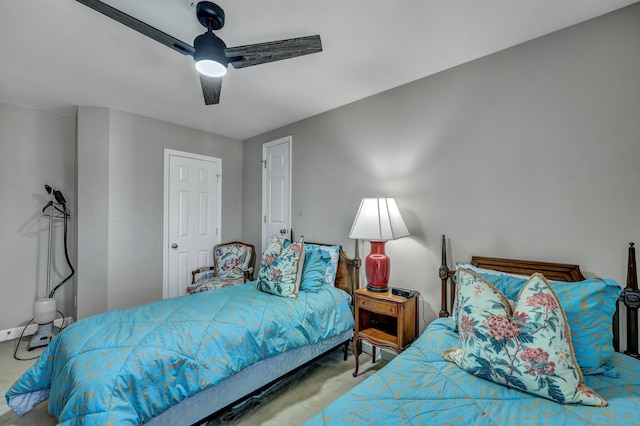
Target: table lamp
x,y
378,221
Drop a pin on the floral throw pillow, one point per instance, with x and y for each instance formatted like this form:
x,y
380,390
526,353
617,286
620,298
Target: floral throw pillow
x,y
281,268
528,348
273,250
589,306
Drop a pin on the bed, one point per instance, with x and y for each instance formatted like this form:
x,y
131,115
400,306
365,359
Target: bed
x,y
420,386
182,360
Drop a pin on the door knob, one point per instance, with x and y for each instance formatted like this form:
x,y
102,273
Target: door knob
x,y
283,231
174,246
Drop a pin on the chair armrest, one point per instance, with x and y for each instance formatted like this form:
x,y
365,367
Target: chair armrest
x,y
195,272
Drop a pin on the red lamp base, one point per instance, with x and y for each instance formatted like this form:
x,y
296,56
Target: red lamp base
x,y
377,266
378,289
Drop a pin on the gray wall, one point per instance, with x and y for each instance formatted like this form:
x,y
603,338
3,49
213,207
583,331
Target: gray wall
x,y
37,149
533,152
93,210
121,192
116,184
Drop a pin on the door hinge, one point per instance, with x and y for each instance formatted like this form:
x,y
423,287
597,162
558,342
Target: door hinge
x,y
218,178
265,219
264,163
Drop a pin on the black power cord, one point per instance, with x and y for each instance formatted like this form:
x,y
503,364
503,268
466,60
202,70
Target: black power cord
x,y
66,249
15,352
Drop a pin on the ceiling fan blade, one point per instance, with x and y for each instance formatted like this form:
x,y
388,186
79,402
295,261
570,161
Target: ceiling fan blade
x,y
211,87
261,53
139,26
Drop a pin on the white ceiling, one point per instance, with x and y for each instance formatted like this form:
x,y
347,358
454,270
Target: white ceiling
x,y
56,55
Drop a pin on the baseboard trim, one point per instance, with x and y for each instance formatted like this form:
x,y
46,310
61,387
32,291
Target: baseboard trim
x,y
381,353
14,333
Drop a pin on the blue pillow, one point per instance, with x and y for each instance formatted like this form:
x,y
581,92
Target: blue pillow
x,y
312,272
589,305
330,256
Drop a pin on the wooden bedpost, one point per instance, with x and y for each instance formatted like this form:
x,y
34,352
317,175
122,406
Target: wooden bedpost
x,y
632,275
356,268
443,272
631,298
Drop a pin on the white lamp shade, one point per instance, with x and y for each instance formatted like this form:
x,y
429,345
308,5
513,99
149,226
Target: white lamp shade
x,y
378,219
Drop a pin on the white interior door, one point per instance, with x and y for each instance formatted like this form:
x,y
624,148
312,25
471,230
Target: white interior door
x,y
276,189
192,216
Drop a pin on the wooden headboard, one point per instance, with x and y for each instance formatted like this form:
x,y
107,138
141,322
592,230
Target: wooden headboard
x,y
552,271
630,296
348,274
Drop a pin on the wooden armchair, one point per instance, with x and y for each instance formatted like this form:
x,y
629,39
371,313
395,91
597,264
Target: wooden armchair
x,y
233,263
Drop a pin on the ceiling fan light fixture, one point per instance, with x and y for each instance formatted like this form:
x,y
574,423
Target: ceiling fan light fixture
x,y
211,68
209,55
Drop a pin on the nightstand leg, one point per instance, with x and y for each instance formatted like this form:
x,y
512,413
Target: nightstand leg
x,y
373,353
355,354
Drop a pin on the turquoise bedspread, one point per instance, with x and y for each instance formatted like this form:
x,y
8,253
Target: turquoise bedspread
x,y
419,388
126,366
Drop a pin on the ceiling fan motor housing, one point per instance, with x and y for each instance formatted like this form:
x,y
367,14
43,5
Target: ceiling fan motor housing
x,y
209,46
210,15
209,50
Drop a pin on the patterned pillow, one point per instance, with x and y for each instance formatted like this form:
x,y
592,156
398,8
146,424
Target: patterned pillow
x,y
528,348
589,306
490,275
273,250
281,269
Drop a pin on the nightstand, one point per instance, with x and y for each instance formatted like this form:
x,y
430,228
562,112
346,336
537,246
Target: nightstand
x,y
384,319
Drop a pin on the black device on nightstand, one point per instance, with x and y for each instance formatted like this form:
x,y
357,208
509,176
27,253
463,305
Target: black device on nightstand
x,y
403,292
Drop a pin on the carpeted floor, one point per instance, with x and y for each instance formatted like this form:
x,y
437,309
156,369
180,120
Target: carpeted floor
x,y
302,395
292,401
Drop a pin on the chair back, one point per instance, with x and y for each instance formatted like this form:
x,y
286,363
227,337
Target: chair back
x,y
234,260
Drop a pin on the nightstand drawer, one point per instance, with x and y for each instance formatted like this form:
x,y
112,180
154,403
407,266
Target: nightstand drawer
x,y
377,306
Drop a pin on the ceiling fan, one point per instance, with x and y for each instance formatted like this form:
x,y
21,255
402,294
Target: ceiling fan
x,y
211,54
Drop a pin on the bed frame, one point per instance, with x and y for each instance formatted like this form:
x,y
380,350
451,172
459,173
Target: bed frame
x,y
630,297
554,271
214,400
